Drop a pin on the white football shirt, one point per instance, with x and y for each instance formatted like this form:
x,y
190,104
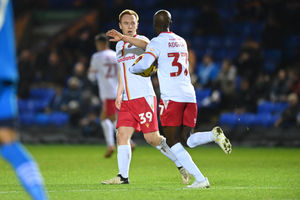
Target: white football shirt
x,y
105,66
135,86
173,75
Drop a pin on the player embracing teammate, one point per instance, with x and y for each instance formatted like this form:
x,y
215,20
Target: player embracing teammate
x,y
135,100
178,108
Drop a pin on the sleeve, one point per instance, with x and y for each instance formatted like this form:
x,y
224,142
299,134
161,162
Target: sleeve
x,y
143,37
153,49
142,63
93,70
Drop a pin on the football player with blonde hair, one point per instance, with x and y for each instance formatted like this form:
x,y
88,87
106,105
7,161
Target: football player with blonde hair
x,y
135,99
178,108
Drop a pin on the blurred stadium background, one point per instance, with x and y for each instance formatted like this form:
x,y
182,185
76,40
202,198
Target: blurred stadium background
x,y
244,64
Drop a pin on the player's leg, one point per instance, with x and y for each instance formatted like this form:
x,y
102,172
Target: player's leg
x,y
149,125
216,134
158,141
13,151
126,126
147,117
124,150
172,120
107,117
200,138
181,154
124,156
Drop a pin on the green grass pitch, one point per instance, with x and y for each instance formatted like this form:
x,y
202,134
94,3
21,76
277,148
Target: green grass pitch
x,y
75,172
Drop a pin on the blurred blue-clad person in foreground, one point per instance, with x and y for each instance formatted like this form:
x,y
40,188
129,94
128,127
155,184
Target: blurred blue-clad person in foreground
x,y
11,150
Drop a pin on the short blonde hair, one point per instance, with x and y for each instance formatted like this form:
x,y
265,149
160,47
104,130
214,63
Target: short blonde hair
x,y
128,12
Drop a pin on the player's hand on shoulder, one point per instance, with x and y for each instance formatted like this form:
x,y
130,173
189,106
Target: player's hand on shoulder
x,y
115,35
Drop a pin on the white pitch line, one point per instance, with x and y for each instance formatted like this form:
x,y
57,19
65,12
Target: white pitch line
x,y
107,188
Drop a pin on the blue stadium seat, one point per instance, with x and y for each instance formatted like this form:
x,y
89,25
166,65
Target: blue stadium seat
x,y
58,118
272,108
246,119
229,119
264,119
26,118
266,107
41,119
26,106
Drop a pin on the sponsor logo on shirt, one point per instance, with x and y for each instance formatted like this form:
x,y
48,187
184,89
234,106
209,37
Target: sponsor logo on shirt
x,y
126,58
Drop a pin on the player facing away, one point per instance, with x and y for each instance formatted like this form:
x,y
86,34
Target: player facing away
x,y
11,150
104,68
136,102
178,108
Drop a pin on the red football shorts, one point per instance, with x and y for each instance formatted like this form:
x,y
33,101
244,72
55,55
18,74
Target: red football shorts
x,y
110,107
178,113
139,114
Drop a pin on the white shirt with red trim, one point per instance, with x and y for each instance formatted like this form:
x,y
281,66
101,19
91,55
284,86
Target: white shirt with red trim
x,y
173,75
135,86
104,65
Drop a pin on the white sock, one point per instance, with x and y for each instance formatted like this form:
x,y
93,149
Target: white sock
x,y
124,158
165,149
108,130
185,159
200,138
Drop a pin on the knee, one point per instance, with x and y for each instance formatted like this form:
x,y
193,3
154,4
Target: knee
x,y
153,140
122,138
7,135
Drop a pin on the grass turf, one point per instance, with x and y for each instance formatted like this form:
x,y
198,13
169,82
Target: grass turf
x,y
75,172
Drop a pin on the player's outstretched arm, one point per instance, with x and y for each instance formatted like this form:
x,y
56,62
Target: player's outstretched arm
x,y
117,36
142,64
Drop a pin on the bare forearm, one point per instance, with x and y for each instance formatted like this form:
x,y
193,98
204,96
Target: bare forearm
x,y
120,86
135,41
